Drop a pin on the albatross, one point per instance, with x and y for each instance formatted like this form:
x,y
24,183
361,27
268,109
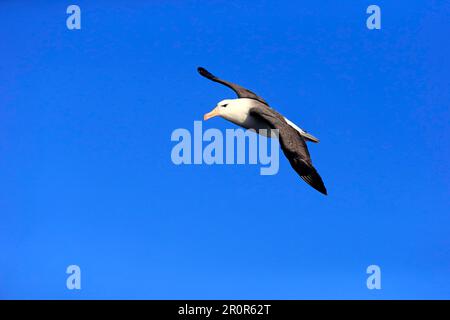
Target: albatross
x,y
252,112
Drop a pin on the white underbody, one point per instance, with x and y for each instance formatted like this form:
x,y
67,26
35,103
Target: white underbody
x,y
238,112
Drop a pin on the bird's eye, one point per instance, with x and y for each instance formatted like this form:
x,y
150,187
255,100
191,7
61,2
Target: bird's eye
x,y
224,105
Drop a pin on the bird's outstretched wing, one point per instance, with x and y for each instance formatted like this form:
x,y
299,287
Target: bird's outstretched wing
x,y
240,91
293,146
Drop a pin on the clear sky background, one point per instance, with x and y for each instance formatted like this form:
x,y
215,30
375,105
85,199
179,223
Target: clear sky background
x,y
86,175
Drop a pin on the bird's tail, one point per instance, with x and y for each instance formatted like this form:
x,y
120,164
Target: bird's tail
x,y
303,133
309,137
309,174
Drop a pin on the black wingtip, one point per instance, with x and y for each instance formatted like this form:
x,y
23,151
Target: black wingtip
x,y
310,176
319,185
316,183
323,191
205,73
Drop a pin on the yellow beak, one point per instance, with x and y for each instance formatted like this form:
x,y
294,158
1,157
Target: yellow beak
x,y
212,114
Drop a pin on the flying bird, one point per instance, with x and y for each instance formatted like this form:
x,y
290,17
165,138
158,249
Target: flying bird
x,y
252,112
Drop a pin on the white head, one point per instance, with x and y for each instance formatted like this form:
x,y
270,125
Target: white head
x,y
230,109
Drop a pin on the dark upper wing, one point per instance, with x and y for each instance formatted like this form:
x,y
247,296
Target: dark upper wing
x,y
240,91
291,142
293,146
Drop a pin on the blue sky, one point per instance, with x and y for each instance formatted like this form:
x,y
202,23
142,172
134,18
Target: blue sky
x,y
86,175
